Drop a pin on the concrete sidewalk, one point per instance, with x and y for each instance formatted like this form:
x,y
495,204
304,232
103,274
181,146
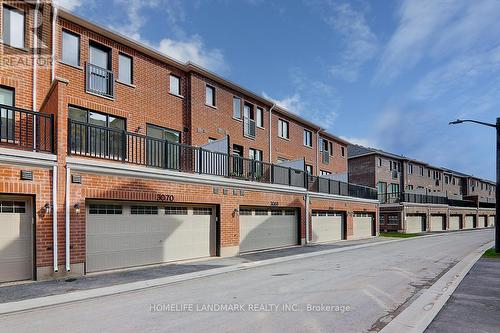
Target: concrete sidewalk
x,y
20,292
475,304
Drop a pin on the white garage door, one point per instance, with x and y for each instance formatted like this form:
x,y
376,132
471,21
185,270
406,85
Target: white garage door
x,y
327,226
491,221
123,235
415,223
362,225
437,223
469,222
455,222
261,228
482,222
16,245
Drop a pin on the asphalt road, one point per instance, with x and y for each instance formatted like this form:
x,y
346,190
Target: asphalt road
x,y
354,291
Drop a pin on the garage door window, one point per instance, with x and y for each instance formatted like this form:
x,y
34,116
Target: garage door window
x,y
144,210
289,212
276,212
245,211
202,211
12,207
105,209
176,211
261,212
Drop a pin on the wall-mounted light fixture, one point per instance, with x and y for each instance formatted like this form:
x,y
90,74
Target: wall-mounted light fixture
x,y
47,208
77,208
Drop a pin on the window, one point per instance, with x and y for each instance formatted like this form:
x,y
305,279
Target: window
x,y
163,133
202,211
255,154
175,85
70,48
410,187
12,207
7,124
248,120
89,139
156,154
421,171
13,27
210,95
307,138
394,188
453,181
342,151
379,162
105,209
100,56
309,169
125,68
446,179
325,173
236,107
245,211
261,212
382,187
410,169
144,210
276,212
283,129
289,212
260,117
176,211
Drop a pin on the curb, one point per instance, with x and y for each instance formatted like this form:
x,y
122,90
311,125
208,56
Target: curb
x,y
40,302
422,311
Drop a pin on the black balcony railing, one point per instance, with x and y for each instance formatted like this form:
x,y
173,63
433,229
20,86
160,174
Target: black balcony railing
x,y
249,127
325,157
27,130
100,81
388,198
112,144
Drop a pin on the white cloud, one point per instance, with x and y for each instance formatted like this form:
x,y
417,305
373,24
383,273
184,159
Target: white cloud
x,y
68,4
358,43
291,103
194,50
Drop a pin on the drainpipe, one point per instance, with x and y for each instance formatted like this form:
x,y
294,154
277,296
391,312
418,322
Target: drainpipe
x,y
35,63
54,19
67,220
307,218
317,151
54,215
270,134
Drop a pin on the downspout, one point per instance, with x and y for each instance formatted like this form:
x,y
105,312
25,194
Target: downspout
x,y
54,215
317,151
270,134
35,63
307,218
54,21
67,220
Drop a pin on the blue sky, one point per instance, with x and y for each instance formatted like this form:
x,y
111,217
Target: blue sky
x,y
387,74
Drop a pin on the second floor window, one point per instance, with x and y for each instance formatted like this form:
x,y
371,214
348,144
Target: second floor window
x,y
125,69
175,85
325,173
7,127
13,27
255,154
70,48
210,95
260,117
283,129
307,138
236,107
342,151
410,169
309,169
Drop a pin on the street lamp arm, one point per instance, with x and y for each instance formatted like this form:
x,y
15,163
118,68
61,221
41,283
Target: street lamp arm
x,y
459,121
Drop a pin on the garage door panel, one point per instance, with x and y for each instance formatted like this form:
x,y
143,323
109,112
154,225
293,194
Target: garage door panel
x,y
414,223
16,242
362,226
259,232
482,222
437,222
327,228
454,223
127,240
491,221
469,222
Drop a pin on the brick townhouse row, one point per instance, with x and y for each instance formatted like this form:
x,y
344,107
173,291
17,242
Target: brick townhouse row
x,y
114,155
416,196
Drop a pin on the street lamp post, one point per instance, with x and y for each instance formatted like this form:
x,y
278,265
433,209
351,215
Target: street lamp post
x,y
497,191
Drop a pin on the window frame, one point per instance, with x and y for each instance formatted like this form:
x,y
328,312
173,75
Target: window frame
x,y
71,33
23,13
235,98
124,55
308,138
214,99
179,94
259,117
282,122
103,48
13,90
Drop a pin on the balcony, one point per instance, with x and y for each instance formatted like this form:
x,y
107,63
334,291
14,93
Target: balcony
x,y
26,130
111,144
248,127
401,197
99,81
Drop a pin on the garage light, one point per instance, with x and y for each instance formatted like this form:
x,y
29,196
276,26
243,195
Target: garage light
x,y
77,208
47,208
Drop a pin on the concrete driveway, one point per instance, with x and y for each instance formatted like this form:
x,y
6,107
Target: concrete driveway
x,y
358,290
